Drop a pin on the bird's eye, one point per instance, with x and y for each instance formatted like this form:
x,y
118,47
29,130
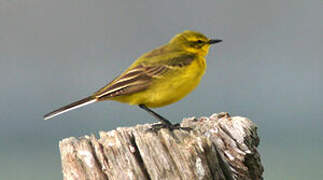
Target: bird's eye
x,y
199,41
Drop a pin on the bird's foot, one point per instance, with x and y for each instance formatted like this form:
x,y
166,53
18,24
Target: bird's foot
x,y
156,127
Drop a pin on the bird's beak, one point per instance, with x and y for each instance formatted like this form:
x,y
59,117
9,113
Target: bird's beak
x,y
213,41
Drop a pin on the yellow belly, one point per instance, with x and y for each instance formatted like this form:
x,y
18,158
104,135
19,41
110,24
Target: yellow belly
x,y
169,89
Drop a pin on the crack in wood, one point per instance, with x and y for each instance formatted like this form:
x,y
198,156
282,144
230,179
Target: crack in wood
x,y
138,157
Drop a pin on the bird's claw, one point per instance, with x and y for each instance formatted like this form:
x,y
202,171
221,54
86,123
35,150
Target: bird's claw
x,y
156,127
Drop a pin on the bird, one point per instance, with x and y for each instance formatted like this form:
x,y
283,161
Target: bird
x,y
158,78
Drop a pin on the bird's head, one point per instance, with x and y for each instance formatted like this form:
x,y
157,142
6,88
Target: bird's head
x,y
193,42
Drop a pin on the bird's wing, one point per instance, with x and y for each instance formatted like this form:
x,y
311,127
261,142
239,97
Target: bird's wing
x,y
180,61
134,80
139,76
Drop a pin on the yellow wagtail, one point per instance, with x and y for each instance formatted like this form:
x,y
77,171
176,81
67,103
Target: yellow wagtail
x,y
157,78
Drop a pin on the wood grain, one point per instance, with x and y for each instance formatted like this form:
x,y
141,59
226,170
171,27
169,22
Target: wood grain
x,y
217,147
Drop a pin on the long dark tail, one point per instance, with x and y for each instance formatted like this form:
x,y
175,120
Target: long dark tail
x,y
74,105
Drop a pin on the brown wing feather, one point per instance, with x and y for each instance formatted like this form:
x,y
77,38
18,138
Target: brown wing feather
x,y
140,77
134,80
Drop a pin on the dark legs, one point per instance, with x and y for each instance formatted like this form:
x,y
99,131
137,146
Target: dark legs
x,y
157,116
164,122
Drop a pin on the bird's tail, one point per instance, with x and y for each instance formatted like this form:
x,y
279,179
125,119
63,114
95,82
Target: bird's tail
x,y
74,105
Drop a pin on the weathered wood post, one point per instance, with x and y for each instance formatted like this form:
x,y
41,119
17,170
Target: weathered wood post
x,y
217,147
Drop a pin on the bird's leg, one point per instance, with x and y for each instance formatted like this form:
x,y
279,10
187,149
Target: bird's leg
x,y
164,122
157,116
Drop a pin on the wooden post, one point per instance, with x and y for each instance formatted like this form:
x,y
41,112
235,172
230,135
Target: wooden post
x,y
217,147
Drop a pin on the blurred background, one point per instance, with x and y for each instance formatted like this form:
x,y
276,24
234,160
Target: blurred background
x,y
269,69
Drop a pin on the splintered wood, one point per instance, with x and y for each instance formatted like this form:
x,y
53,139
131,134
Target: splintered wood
x,y
216,147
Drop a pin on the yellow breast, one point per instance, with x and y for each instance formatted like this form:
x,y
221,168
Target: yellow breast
x,y
170,88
